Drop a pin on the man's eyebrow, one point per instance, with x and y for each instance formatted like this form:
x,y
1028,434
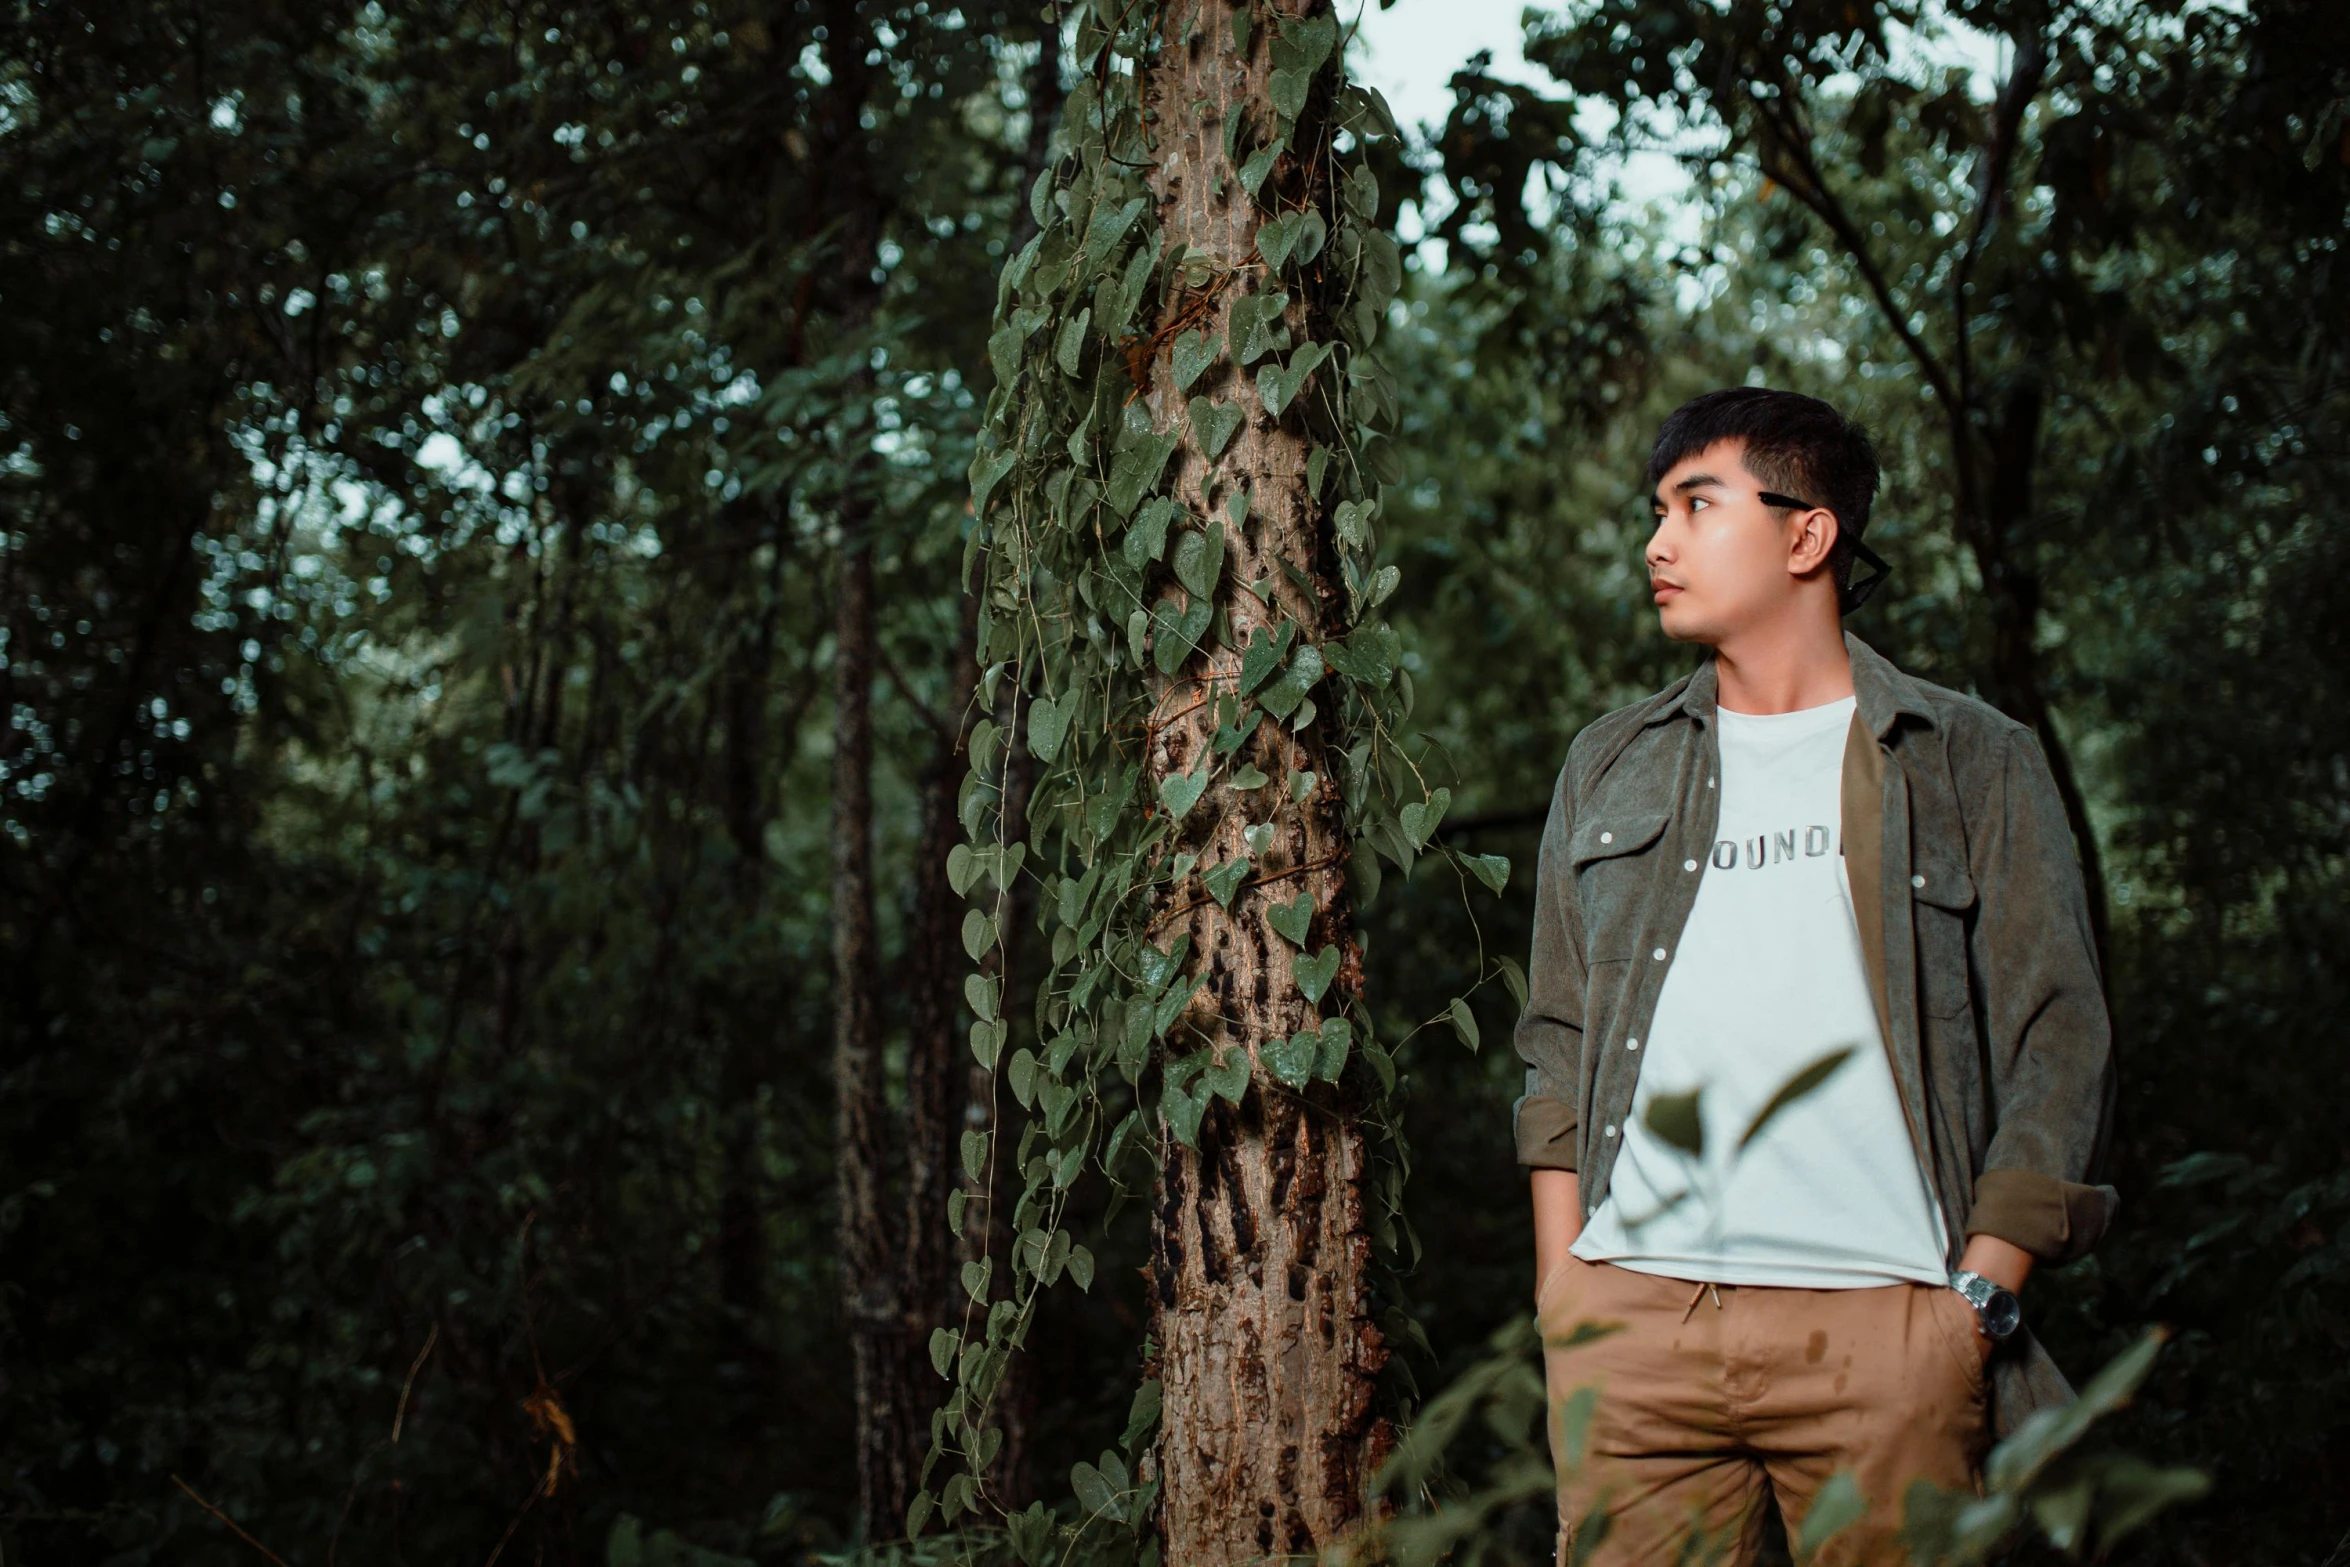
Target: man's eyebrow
x,y
1696,481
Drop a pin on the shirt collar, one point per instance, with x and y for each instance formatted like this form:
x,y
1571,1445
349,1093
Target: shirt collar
x,y
1883,693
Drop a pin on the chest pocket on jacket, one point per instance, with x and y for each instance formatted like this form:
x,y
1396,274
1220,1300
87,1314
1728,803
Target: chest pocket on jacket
x,y
1943,901
1615,874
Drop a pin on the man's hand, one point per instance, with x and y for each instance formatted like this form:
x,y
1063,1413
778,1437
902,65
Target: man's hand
x,y
2002,1262
1558,1219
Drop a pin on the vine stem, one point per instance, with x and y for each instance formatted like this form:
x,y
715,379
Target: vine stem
x,y
1265,880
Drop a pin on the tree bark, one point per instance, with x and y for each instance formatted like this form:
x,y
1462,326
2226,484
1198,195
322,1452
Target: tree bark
x,y
889,1401
1268,1353
935,967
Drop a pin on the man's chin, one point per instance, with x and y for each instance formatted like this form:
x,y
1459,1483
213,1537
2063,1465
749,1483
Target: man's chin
x,y
1682,626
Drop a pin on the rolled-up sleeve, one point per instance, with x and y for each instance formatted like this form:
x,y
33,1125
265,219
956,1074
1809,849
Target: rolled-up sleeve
x,y
1549,1035
2049,1037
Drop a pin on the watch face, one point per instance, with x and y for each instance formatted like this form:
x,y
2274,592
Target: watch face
x,y
2002,1314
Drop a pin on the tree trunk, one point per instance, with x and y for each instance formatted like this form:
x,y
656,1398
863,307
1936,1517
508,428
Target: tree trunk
x,y
869,1273
889,1401
2012,594
935,966
1261,1249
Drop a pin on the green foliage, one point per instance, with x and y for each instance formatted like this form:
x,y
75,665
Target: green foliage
x,y
1474,1481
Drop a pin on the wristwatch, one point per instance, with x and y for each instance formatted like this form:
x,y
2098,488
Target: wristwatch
x,y
1997,1312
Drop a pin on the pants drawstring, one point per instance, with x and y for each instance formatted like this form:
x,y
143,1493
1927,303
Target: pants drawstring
x,y
1704,1288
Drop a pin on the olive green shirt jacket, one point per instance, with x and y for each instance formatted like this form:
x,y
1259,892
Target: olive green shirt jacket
x,y
1974,929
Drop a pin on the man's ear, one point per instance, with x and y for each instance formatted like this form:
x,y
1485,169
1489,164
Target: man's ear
x,y
1815,537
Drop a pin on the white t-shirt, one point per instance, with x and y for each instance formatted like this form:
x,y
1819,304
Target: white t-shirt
x,y
1769,979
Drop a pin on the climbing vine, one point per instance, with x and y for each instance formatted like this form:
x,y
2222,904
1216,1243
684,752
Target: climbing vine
x,y
1100,618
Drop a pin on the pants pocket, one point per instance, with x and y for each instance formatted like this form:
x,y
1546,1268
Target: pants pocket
x,y
1954,1319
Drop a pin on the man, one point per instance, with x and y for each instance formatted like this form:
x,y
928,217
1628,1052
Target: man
x,y
1839,907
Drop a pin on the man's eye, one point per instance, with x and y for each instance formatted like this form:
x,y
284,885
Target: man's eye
x,y
1698,503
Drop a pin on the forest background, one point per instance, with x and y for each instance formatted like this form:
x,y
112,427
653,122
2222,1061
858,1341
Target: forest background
x,y
433,440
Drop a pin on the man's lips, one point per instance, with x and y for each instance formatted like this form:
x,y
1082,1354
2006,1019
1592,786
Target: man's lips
x,y
1660,589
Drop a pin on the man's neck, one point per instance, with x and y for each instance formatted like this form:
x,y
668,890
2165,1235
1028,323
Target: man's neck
x,y
1784,669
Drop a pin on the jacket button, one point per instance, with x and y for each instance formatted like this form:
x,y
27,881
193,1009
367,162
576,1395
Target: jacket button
x,y
1658,954
1917,881
1611,1129
1688,865
1607,837
1631,1044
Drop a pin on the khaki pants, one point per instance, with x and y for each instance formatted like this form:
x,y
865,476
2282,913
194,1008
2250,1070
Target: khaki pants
x,y
1707,1395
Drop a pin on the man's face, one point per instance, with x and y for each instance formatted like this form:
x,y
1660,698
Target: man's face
x,y
1720,561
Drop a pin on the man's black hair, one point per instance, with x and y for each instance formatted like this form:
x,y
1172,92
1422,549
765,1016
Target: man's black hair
x,y
1796,445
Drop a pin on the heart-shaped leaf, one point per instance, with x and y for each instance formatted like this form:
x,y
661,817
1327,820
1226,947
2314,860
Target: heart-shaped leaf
x,y
1258,836
1301,784
1199,561
1315,973
1183,1111
1464,1021
1225,879
1228,1078
1231,737
1258,328
978,933
1293,919
1278,385
1179,792
1317,464
1137,468
1109,226
1253,172
1250,777
981,992
961,869
1175,632
1095,1495
1337,1038
943,1344
1419,819
1236,506
1175,1003
975,1276
1291,1059
1491,869
1283,696
1311,233
1192,354
986,472
1048,722
1352,519
1215,424
1021,1074
987,1041
1276,239
1146,540
1289,90
1260,658
1312,39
